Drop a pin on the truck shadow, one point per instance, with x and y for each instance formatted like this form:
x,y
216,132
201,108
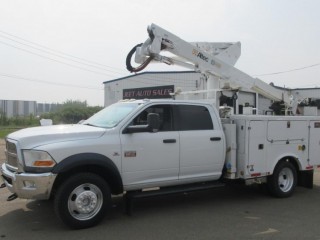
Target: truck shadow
x,y
235,200
238,198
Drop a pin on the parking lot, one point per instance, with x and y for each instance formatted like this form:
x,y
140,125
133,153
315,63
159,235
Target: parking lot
x,y
234,212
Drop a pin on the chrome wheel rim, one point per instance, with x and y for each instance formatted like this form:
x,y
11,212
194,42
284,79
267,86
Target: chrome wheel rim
x,y
85,201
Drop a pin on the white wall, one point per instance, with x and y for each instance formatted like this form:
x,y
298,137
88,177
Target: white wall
x,y
186,81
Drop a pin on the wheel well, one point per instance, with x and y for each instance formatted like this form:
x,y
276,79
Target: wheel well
x,y
304,178
293,161
109,176
290,159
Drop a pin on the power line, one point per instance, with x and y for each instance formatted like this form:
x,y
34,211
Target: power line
x,y
60,53
57,51
48,82
68,64
57,55
97,65
74,66
292,70
69,56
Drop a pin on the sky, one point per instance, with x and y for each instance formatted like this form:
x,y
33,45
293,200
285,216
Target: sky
x,y
57,50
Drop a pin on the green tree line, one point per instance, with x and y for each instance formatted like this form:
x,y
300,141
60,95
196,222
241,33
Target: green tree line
x,y
67,113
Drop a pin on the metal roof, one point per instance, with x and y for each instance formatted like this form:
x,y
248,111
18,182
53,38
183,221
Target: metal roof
x,y
143,73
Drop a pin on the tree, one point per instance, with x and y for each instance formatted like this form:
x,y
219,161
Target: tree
x,y
72,112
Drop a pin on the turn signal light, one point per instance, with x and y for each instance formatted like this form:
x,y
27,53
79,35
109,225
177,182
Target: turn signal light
x,y
43,163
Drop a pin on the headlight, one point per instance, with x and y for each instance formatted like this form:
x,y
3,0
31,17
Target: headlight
x,y
38,159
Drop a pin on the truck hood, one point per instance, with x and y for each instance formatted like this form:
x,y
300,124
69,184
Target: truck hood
x,y
33,137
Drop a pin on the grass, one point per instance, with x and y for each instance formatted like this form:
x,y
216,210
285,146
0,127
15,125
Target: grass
x,y
4,131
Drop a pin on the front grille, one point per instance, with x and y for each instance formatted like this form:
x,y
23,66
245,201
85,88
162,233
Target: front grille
x,y
11,147
11,156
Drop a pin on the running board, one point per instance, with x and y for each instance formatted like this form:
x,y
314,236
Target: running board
x,y
131,195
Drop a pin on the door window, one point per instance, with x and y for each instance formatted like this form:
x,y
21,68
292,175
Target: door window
x,y
194,118
165,114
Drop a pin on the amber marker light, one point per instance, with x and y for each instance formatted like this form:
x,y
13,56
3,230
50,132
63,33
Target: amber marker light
x,y
44,163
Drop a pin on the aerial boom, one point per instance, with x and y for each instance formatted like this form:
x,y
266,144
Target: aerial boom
x,y
218,63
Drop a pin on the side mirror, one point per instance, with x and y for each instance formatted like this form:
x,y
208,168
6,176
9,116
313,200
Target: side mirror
x,y
153,124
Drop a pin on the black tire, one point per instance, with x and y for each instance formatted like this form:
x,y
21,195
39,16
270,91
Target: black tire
x,y
82,200
283,181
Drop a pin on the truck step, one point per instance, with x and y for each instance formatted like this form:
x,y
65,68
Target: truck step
x,y
131,195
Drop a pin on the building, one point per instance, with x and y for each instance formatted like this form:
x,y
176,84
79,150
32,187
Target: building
x,y
309,99
142,85
161,84
12,108
15,108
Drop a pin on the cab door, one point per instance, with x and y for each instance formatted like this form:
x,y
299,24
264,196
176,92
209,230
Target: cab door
x,y
202,146
151,157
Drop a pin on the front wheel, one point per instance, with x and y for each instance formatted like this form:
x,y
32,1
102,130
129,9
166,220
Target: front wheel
x,y
82,200
283,180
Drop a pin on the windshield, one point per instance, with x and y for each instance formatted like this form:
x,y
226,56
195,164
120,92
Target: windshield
x,y
111,116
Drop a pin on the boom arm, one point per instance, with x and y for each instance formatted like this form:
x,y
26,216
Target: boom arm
x,y
192,57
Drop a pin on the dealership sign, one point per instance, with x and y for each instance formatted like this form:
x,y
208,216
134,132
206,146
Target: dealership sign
x,y
148,92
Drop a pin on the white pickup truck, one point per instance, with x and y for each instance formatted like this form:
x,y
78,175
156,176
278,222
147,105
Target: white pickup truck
x,y
167,145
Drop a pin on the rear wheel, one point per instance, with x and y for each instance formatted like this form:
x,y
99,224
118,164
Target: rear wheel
x,y
82,200
283,180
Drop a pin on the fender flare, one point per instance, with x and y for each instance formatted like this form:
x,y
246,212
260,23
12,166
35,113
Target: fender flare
x,y
104,164
292,158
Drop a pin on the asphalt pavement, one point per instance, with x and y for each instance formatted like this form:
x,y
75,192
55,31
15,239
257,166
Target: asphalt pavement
x,y
233,212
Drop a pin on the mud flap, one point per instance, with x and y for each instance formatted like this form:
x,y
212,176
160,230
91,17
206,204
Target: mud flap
x,y
305,179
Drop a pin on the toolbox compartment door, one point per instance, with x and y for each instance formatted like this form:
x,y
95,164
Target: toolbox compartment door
x,y
314,144
257,148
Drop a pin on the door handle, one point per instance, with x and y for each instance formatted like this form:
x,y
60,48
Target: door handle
x,y
215,139
169,140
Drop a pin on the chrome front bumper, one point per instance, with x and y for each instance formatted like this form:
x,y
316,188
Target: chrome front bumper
x,y
28,185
